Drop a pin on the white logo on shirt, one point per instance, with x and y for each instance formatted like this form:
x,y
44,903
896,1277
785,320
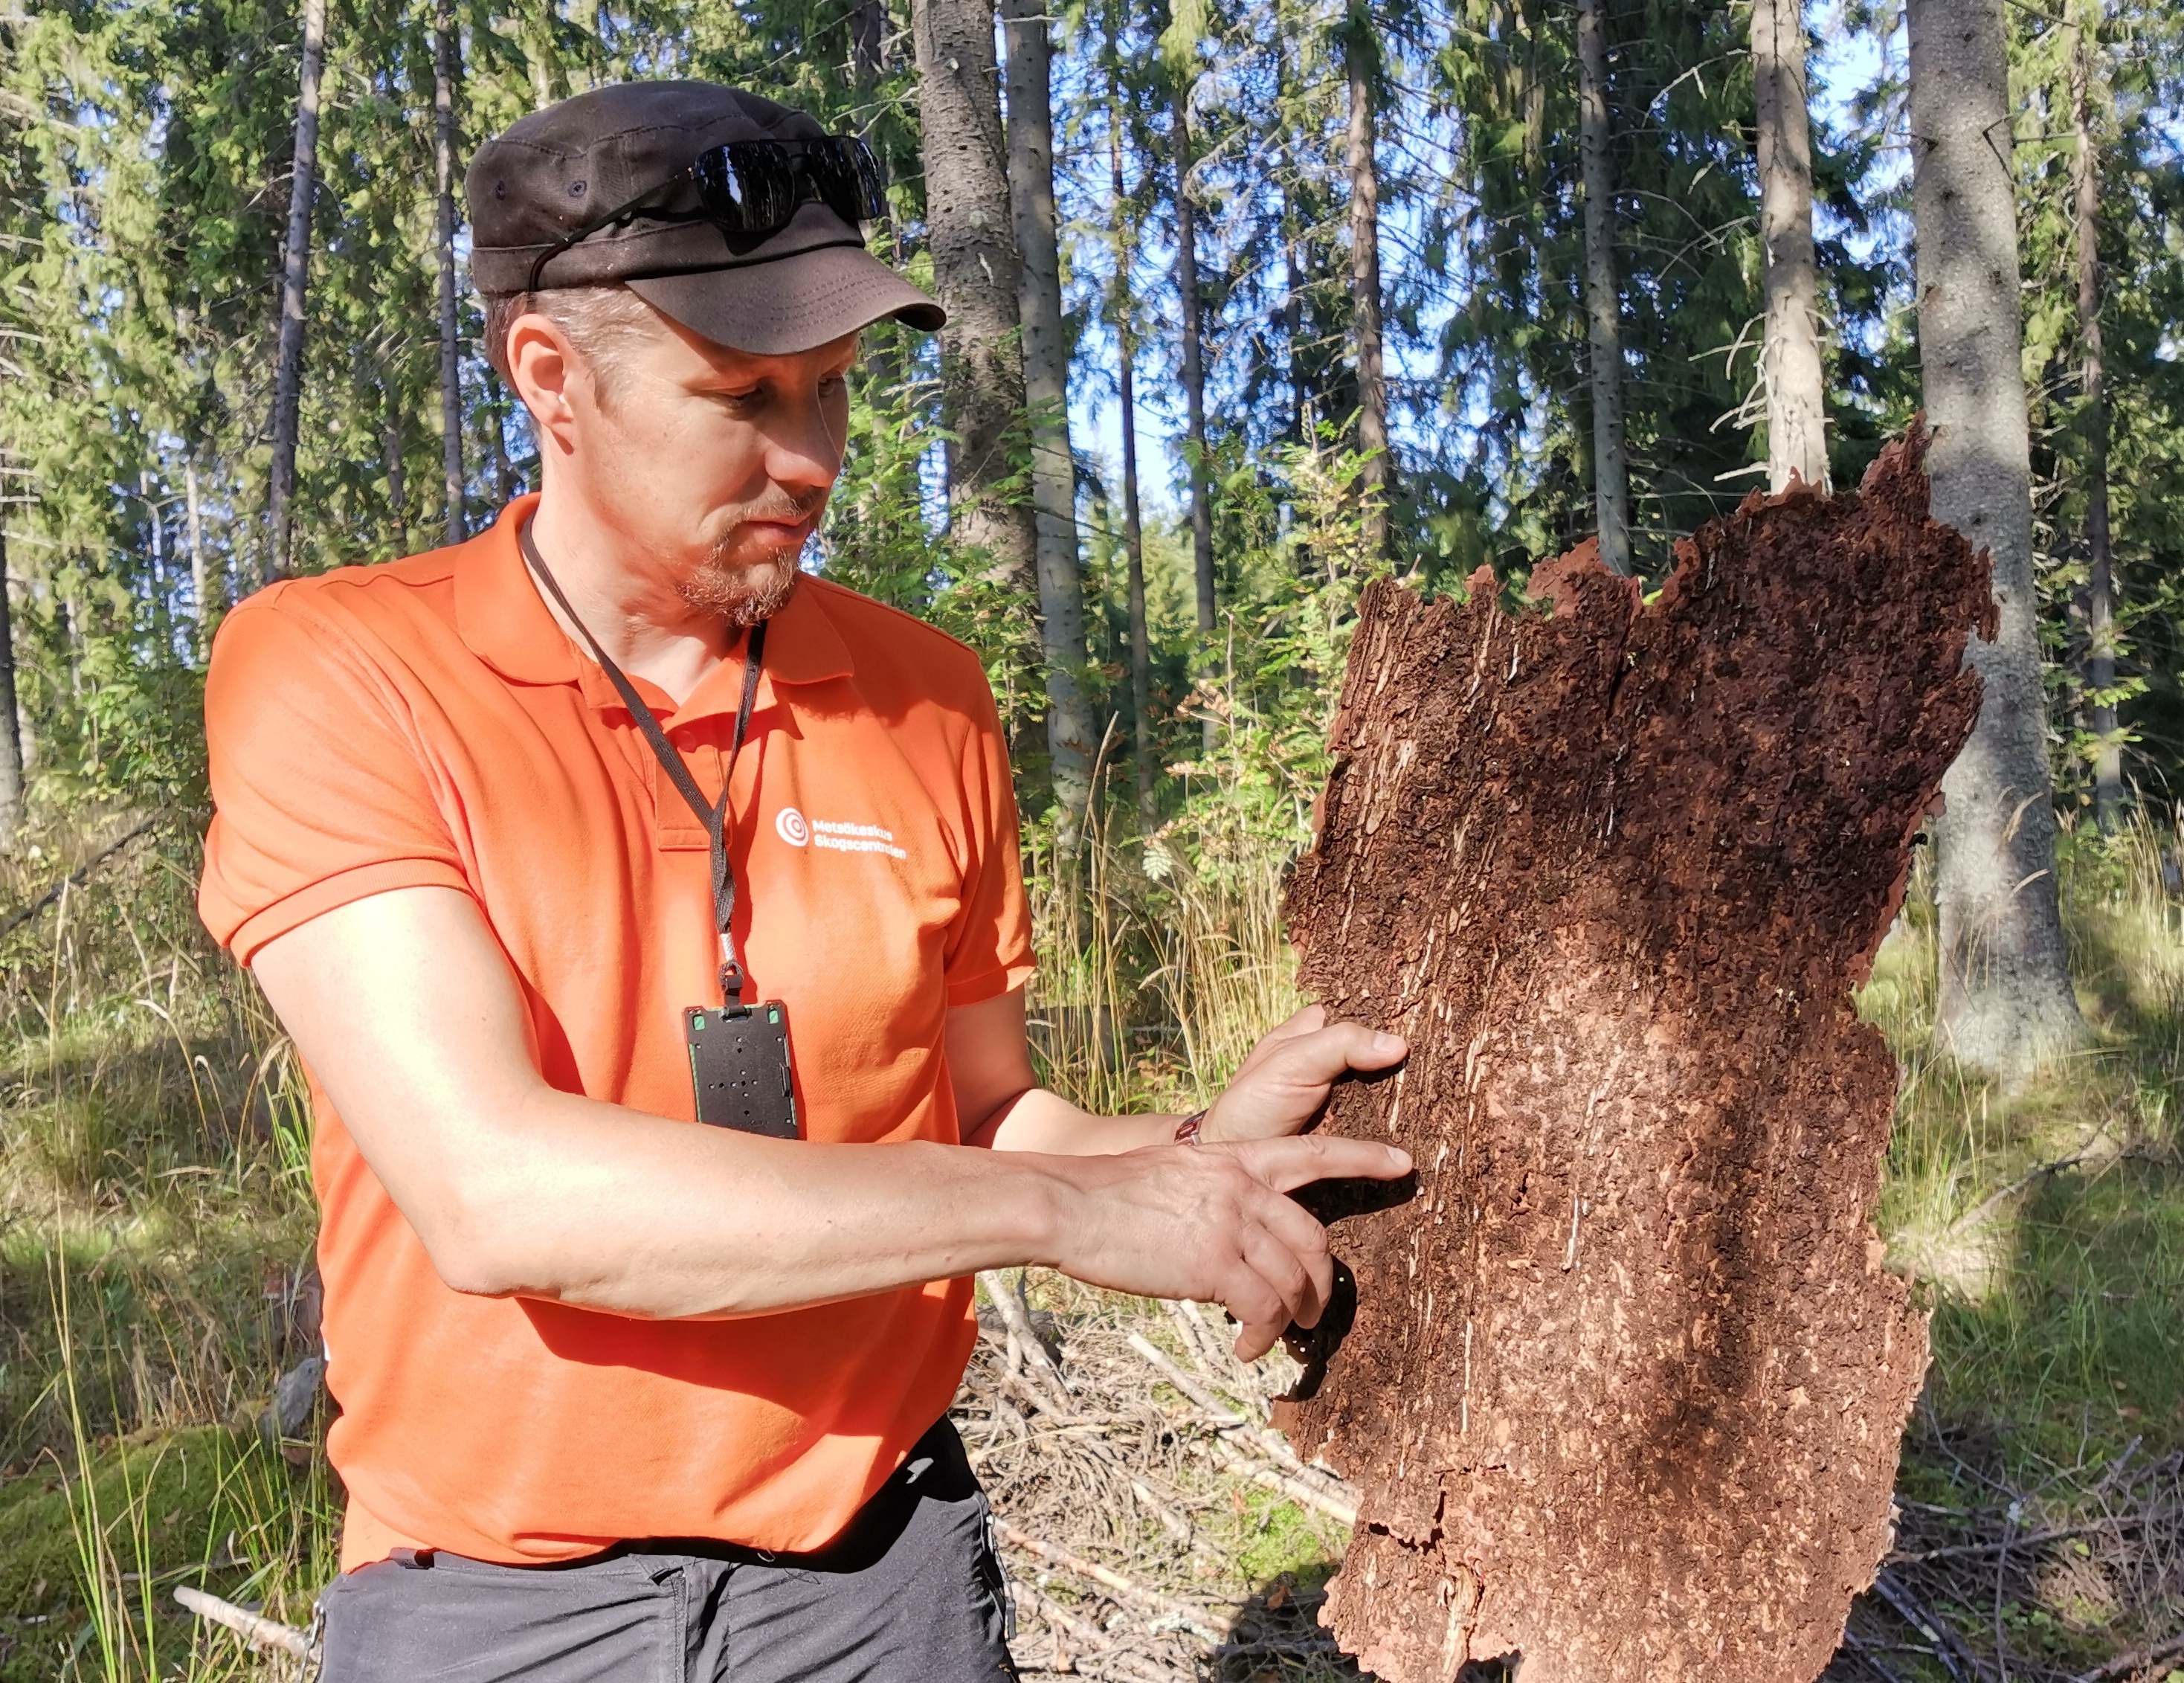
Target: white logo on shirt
x,y
834,836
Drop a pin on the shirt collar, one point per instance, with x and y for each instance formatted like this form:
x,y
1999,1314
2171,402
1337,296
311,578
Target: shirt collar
x,y
503,621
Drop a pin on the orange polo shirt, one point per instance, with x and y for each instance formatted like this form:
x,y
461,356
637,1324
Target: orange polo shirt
x,y
427,722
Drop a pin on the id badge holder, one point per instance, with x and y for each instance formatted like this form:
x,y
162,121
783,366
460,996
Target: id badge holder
x,y
740,1068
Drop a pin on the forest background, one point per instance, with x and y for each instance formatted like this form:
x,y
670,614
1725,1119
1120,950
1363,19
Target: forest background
x,y
1254,300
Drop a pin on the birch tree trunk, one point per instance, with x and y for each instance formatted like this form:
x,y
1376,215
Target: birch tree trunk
x,y
974,271
1610,466
2100,584
2005,1001
1358,55
1123,308
295,270
1070,737
205,596
1194,387
446,69
1790,358
11,734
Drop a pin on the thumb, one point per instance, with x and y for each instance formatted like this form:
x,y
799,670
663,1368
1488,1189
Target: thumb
x,y
1315,1059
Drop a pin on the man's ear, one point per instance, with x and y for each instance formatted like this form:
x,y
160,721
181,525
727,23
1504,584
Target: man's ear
x,y
544,367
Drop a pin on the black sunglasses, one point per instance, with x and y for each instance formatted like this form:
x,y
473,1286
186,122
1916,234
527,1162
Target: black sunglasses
x,y
751,188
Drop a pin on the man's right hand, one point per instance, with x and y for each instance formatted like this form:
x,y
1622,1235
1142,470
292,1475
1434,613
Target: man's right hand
x,y
1212,1223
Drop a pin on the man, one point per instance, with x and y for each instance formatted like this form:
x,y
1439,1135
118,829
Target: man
x,y
548,846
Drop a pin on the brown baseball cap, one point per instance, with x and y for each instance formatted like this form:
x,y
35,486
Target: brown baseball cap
x,y
561,170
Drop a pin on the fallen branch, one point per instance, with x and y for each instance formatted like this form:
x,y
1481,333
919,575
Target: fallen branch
x,y
1870,1661
260,1633
1948,1647
1021,1334
1090,1636
75,879
2130,1662
1220,1450
2126,1522
1308,1484
1189,1617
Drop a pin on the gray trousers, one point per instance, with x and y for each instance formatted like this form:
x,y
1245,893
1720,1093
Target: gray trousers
x,y
912,1593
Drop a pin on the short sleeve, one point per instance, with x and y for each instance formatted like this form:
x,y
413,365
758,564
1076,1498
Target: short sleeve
x,y
989,951
321,793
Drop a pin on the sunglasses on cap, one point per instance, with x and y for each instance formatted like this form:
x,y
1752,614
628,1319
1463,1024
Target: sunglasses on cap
x,y
750,189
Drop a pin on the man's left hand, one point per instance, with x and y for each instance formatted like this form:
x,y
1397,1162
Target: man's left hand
x,y
1289,1074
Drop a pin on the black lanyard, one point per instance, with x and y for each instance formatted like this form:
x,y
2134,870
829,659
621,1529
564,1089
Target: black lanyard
x,y
714,818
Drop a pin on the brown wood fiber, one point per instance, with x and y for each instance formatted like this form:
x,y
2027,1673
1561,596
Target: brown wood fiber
x,y
1626,1381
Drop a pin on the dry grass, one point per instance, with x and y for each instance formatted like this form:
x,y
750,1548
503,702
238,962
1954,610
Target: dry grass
x,y
154,1218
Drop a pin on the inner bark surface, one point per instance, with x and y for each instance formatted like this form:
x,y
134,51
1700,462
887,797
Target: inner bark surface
x,y
1627,1380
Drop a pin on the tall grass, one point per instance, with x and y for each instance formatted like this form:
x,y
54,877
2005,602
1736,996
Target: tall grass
x,y
155,1213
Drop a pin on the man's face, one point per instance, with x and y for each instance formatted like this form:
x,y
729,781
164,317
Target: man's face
x,y
710,466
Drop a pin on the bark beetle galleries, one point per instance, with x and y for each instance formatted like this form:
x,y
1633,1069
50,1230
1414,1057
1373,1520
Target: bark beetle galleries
x,y
1627,1380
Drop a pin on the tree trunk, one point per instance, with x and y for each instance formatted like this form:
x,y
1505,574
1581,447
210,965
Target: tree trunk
x,y
203,597
397,480
295,269
447,66
163,622
2100,584
2005,1002
1069,733
1357,52
11,733
504,474
1610,465
974,271
539,57
1194,390
1123,308
1790,360
867,39
1292,237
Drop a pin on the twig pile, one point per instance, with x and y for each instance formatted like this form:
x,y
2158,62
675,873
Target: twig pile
x,y
1118,1471
2077,1579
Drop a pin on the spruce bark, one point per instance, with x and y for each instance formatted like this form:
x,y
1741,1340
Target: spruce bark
x,y
11,734
1358,59
1123,308
2100,581
2005,999
968,229
1610,465
1194,387
1790,357
1070,737
295,272
446,69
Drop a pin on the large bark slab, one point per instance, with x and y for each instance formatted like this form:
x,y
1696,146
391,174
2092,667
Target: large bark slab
x,y
1627,1380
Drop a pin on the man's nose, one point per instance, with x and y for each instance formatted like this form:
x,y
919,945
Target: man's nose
x,y
806,451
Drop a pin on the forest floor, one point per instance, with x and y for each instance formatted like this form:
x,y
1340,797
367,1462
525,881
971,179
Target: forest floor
x,y
156,1227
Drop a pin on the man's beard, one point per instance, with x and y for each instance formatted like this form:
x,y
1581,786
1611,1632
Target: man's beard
x,y
742,593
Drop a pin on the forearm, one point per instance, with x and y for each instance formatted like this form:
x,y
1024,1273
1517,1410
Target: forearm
x,y
590,1204
1041,1120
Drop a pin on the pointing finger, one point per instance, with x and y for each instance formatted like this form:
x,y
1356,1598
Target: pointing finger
x,y
1287,1164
